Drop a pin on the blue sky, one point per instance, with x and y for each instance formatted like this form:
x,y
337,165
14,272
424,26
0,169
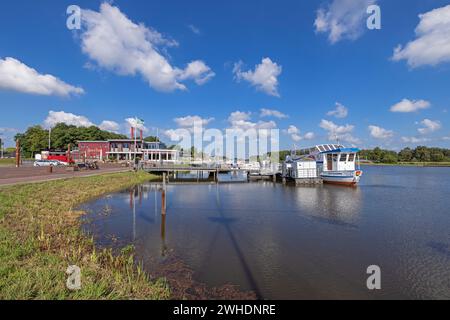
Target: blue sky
x,y
300,60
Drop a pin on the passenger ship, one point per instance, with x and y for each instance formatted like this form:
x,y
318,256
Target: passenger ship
x,y
336,164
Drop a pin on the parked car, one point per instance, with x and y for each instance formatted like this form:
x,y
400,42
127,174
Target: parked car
x,y
46,163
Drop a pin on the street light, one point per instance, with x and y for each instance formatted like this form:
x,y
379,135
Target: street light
x,y
49,138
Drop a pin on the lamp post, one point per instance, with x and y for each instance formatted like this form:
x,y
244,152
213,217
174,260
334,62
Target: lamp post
x,y
49,139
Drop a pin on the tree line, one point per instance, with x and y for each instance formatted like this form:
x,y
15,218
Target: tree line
x,y
419,154
36,139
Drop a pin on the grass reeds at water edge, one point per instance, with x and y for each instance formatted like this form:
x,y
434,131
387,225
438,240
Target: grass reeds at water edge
x,y
40,236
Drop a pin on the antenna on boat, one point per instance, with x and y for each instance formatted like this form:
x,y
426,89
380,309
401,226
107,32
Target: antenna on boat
x,y
337,139
294,151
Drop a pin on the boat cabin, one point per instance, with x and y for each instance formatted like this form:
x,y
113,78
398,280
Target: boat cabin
x,y
341,159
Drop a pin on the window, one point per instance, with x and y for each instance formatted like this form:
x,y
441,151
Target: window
x,y
351,157
335,157
343,157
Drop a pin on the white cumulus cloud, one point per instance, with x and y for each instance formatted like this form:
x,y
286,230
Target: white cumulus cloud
x,y
432,43
189,121
194,29
429,126
109,125
263,78
407,105
296,136
118,44
55,117
339,112
17,76
272,113
242,120
343,19
414,140
380,133
343,133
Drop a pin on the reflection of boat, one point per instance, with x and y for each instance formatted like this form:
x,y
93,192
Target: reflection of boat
x,y
333,163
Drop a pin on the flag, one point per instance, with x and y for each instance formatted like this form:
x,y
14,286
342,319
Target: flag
x,y
139,122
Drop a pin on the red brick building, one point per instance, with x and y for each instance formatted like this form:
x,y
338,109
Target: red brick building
x,y
125,150
93,150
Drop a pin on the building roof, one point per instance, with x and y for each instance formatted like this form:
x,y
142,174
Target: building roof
x,y
92,141
339,150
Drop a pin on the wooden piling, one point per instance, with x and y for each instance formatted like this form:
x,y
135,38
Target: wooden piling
x,y
17,153
163,202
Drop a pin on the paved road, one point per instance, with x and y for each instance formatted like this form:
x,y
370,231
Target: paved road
x,y
12,176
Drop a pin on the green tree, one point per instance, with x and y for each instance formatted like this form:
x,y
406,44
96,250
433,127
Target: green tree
x,y
35,139
151,139
389,157
405,155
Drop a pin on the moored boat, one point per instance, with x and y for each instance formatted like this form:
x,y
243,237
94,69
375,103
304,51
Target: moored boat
x,y
341,166
334,164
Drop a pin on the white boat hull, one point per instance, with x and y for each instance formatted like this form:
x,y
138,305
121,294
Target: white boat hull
x,y
349,178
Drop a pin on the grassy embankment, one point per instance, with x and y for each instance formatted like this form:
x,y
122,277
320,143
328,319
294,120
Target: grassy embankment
x,y
40,237
410,164
7,162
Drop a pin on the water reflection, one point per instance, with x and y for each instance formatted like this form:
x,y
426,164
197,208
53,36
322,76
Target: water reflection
x,y
330,204
287,242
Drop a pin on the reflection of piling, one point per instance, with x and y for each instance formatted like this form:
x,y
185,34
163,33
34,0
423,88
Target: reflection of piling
x,y
131,198
163,236
163,227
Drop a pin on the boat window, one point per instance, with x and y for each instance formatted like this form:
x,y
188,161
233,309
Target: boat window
x,y
335,157
351,157
343,157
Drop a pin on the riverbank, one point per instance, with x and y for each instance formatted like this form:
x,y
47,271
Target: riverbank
x,y
40,237
410,164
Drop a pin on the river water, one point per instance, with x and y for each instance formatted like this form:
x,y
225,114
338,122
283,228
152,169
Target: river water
x,y
287,242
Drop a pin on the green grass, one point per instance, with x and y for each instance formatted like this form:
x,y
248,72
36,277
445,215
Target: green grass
x,y
40,237
7,162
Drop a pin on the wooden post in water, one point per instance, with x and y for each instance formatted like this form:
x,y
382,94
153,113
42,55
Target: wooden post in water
x,y
163,196
163,202
17,153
